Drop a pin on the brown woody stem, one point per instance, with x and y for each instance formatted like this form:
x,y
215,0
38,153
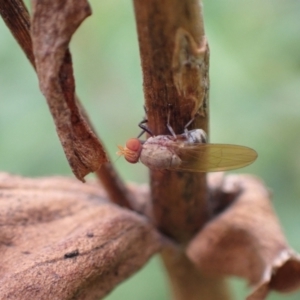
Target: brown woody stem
x,y
179,199
189,283
16,17
175,61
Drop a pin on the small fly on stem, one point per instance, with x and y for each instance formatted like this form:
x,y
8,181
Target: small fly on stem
x,y
185,152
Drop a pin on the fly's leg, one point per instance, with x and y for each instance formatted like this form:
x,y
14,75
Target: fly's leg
x,y
186,131
143,125
170,127
196,135
190,122
192,136
144,128
171,130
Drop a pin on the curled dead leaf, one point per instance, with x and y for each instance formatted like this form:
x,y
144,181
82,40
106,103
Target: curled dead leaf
x,y
245,239
61,239
53,24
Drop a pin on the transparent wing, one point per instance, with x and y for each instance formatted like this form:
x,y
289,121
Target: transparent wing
x,y
214,157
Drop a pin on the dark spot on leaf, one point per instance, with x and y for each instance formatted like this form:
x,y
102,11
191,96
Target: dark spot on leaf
x,y
71,254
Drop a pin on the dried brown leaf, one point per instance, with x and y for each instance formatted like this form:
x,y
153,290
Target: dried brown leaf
x,y
246,240
53,24
283,276
61,239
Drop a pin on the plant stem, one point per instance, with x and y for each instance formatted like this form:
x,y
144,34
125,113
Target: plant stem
x,y
175,61
179,199
189,283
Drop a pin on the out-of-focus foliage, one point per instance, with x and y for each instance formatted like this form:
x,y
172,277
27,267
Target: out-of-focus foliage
x,y
255,101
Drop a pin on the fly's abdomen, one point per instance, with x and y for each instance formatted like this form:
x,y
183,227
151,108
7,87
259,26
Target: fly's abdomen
x,y
158,157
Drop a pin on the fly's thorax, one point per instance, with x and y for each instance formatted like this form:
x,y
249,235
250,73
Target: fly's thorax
x,y
157,153
195,136
159,139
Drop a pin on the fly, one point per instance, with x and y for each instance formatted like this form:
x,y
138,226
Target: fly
x,y
186,152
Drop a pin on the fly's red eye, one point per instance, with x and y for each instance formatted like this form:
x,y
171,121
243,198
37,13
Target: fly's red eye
x,y
133,145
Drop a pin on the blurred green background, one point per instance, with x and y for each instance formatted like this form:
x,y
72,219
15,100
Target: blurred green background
x,y
255,101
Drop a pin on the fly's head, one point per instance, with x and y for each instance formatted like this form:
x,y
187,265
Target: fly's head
x,y
131,151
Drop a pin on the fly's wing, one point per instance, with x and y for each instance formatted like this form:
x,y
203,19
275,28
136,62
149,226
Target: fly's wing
x,y
214,157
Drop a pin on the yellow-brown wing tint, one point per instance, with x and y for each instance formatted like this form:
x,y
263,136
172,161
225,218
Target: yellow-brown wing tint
x,y
214,157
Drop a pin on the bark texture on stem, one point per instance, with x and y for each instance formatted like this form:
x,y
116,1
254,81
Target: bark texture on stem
x,y
189,283
174,57
175,62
